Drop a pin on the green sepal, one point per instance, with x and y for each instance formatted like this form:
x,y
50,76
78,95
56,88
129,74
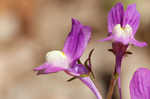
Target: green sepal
x,y
71,79
84,75
79,61
116,75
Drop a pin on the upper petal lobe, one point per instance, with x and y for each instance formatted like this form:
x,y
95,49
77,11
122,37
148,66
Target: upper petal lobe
x,y
131,17
115,16
77,40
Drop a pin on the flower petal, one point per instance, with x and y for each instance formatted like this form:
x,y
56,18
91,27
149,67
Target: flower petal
x,y
131,17
77,70
46,68
137,43
77,40
140,84
58,58
115,16
89,83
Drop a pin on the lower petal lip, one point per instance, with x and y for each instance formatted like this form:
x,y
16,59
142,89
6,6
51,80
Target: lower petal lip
x,y
137,43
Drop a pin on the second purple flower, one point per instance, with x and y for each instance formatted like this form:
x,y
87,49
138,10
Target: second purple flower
x,y
122,26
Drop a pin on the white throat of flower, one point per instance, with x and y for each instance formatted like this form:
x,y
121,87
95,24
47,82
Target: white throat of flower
x,y
57,58
123,33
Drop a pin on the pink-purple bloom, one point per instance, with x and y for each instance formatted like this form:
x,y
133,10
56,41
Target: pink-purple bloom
x,y
67,59
122,26
140,84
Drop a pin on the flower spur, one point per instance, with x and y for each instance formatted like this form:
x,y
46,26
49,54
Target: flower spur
x,y
67,60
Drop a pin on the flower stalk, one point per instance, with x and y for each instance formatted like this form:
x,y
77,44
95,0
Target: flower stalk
x,y
112,85
119,50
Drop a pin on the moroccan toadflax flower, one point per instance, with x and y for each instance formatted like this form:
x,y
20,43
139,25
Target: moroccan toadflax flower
x,y
67,60
122,26
140,84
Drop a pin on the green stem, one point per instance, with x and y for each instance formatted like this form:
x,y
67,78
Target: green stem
x,y
112,85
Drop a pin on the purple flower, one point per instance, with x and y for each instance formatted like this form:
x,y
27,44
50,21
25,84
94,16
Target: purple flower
x,y
122,26
140,84
67,59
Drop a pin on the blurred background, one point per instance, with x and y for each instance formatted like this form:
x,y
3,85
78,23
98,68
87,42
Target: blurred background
x,y
31,28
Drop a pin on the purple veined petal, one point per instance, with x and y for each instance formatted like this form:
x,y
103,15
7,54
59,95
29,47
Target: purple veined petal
x,y
140,84
131,17
137,43
77,40
46,68
89,83
107,38
115,16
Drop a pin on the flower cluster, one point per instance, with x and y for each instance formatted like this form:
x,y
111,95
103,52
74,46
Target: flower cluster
x,y
122,26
